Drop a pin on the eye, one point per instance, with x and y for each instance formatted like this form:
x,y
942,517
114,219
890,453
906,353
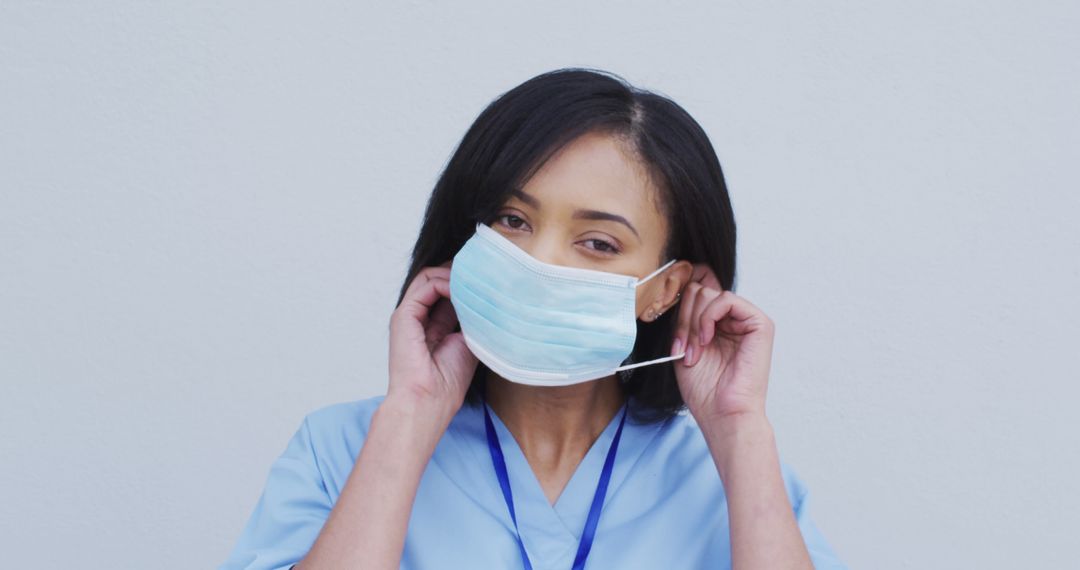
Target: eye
x,y
602,246
511,221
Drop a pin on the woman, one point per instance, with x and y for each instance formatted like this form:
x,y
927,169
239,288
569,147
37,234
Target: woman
x,y
566,345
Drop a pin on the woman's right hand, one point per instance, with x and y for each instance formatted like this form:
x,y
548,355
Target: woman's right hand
x,y
430,364
430,371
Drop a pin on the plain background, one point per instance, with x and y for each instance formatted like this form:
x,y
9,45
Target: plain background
x,y
206,213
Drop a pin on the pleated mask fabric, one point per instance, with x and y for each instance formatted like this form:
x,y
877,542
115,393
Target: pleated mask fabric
x,y
543,324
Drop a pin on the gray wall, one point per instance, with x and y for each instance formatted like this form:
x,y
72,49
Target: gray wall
x,y
206,211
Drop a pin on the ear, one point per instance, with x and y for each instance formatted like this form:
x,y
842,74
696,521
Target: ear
x,y
664,291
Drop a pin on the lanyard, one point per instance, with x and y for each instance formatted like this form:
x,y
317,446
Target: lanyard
x,y
598,497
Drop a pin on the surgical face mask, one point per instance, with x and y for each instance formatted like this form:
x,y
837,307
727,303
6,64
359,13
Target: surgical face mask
x,y
542,324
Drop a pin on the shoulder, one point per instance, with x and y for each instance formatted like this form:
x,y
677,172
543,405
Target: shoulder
x,y
343,417
334,434
302,486
341,421
692,458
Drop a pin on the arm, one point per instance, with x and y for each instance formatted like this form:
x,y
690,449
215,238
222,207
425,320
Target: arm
x,y
430,371
367,526
723,379
764,532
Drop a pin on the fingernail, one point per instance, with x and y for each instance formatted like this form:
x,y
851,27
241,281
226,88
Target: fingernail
x,y
689,354
678,346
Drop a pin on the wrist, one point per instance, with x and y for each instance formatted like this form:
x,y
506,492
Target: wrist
x,y
720,423
730,425
418,410
735,440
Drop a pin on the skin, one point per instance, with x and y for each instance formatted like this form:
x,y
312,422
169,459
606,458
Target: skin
x,y
723,377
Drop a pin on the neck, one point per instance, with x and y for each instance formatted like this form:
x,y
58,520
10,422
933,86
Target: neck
x,y
555,424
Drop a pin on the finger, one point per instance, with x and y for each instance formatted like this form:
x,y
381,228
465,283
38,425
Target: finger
x,y
422,276
704,275
416,288
454,358
717,310
682,326
733,314
743,309
422,299
441,321
704,296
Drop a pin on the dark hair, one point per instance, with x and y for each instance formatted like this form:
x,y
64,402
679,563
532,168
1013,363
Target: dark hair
x,y
522,128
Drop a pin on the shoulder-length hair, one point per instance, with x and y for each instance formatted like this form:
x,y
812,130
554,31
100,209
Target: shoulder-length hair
x,y
522,128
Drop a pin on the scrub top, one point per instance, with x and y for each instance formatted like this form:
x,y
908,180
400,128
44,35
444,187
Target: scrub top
x,y
664,507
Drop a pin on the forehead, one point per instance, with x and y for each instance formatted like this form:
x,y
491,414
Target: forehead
x,y
596,171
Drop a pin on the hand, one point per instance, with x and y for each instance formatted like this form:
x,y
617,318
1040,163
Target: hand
x,y
728,343
429,363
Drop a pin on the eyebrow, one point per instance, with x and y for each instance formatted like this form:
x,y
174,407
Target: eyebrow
x,y
579,214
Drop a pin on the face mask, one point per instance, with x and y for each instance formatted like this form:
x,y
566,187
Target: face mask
x,y
542,324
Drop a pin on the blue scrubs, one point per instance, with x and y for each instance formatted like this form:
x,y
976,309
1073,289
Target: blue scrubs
x,y
664,508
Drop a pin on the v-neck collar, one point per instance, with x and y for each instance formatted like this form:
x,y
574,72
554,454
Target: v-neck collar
x,y
550,532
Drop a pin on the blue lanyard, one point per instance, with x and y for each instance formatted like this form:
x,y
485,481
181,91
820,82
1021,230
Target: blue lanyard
x,y
598,497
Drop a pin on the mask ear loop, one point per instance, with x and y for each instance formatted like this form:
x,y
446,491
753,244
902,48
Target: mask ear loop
x,y
654,273
655,360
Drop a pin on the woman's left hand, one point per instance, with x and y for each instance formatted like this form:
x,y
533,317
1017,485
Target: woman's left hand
x,y
728,343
